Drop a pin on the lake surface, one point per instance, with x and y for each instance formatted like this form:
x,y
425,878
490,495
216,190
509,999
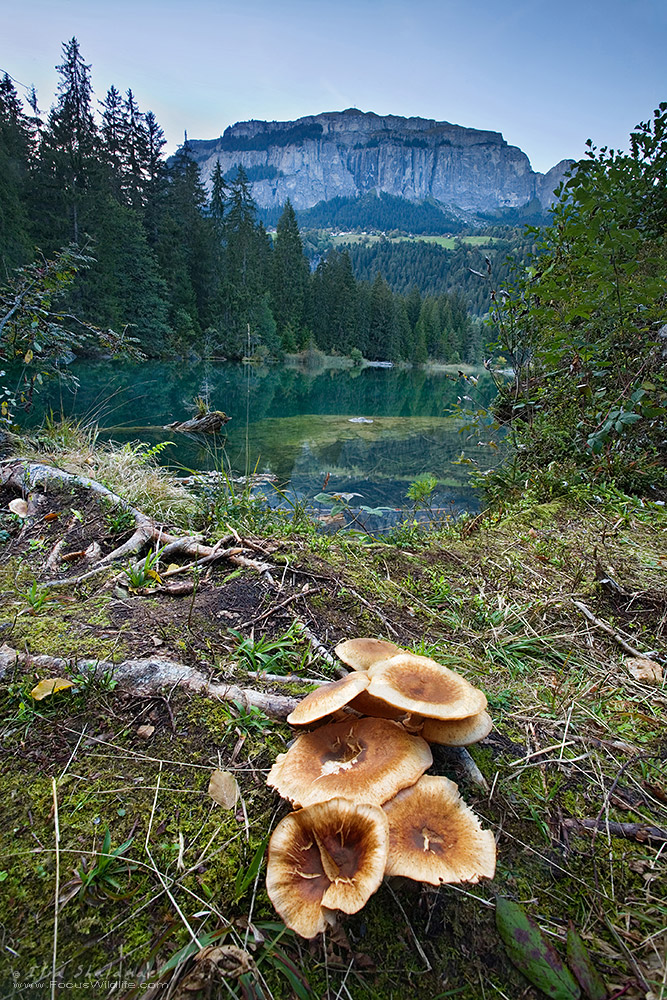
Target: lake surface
x,y
296,425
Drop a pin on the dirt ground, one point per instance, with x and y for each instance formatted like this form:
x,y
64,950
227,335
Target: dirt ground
x,y
575,764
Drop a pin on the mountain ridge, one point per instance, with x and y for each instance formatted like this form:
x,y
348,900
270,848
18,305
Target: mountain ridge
x,y
350,153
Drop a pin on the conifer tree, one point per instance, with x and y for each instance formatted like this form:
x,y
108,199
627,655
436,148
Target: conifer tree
x,y
218,201
70,144
15,152
113,139
289,277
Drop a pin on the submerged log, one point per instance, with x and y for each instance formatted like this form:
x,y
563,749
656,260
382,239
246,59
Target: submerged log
x,y
205,423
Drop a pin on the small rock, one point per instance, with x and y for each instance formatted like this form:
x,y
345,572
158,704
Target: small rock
x,y
145,732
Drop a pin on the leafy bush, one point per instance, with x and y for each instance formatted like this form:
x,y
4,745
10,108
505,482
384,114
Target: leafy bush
x,y
583,326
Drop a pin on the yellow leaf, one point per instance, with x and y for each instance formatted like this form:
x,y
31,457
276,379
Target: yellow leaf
x,y
28,357
644,670
223,789
172,566
50,686
153,575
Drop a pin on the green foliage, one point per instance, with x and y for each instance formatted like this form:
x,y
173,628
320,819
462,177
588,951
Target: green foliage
x,y
36,338
143,573
101,876
582,326
275,656
251,720
35,597
421,490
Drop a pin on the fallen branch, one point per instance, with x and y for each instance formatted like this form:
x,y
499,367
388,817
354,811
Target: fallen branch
x,y
629,831
150,676
23,475
205,423
287,678
604,627
321,650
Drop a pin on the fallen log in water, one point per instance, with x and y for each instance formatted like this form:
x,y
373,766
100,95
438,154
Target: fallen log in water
x,y
206,423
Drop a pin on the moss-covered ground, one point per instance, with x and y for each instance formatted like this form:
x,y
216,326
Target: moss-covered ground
x,y
575,738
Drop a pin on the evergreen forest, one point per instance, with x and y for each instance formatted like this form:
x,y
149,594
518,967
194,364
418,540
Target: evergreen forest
x,y
183,271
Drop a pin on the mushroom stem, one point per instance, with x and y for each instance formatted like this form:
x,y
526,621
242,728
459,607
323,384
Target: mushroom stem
x,y
467,766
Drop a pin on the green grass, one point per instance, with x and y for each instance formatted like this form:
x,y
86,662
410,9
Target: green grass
x,y
448,242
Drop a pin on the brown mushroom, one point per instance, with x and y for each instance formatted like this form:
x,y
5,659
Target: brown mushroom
x,y
330,856
327,699
364,760
435,837
457,732
365,704
360,654
423,687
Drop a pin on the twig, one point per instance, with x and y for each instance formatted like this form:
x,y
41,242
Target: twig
x,y
371,607
158,873
628,831
57,892
321,650
422,953
276,607
604,627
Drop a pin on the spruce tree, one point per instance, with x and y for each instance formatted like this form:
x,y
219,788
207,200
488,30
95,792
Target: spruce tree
x,y
15,153
69,147
289,275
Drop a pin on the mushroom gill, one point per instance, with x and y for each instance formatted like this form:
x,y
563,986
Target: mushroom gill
x,y
329,856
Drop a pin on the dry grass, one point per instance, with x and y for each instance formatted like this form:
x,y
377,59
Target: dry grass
x,y
130,470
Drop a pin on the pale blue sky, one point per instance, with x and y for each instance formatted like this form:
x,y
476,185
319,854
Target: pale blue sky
x,y
547,75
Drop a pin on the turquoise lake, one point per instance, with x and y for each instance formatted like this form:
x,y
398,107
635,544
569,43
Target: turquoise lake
x,y
371,431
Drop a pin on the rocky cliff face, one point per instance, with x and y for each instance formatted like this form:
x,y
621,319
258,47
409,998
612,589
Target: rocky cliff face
x,y
348,153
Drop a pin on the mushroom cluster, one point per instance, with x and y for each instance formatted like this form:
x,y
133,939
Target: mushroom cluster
x,y
364,806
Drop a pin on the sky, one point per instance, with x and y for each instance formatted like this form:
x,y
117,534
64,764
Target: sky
x,y
547,75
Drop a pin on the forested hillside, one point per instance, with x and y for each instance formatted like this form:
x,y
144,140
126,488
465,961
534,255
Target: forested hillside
x,y
184,270
434,270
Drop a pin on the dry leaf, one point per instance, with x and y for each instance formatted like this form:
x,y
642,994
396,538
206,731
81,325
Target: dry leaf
x,y
646,671
50,686
157,641
223,789
145,732
18,507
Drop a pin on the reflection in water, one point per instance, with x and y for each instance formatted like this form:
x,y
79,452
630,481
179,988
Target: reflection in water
x,y
295,424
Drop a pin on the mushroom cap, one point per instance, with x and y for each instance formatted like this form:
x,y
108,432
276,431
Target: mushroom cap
x,y
457,732
327,699
364,760
360,654
420,685
18,507
435,837
330,856
366,704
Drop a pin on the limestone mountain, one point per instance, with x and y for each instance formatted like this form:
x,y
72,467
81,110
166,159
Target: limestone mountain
x,y
346,154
